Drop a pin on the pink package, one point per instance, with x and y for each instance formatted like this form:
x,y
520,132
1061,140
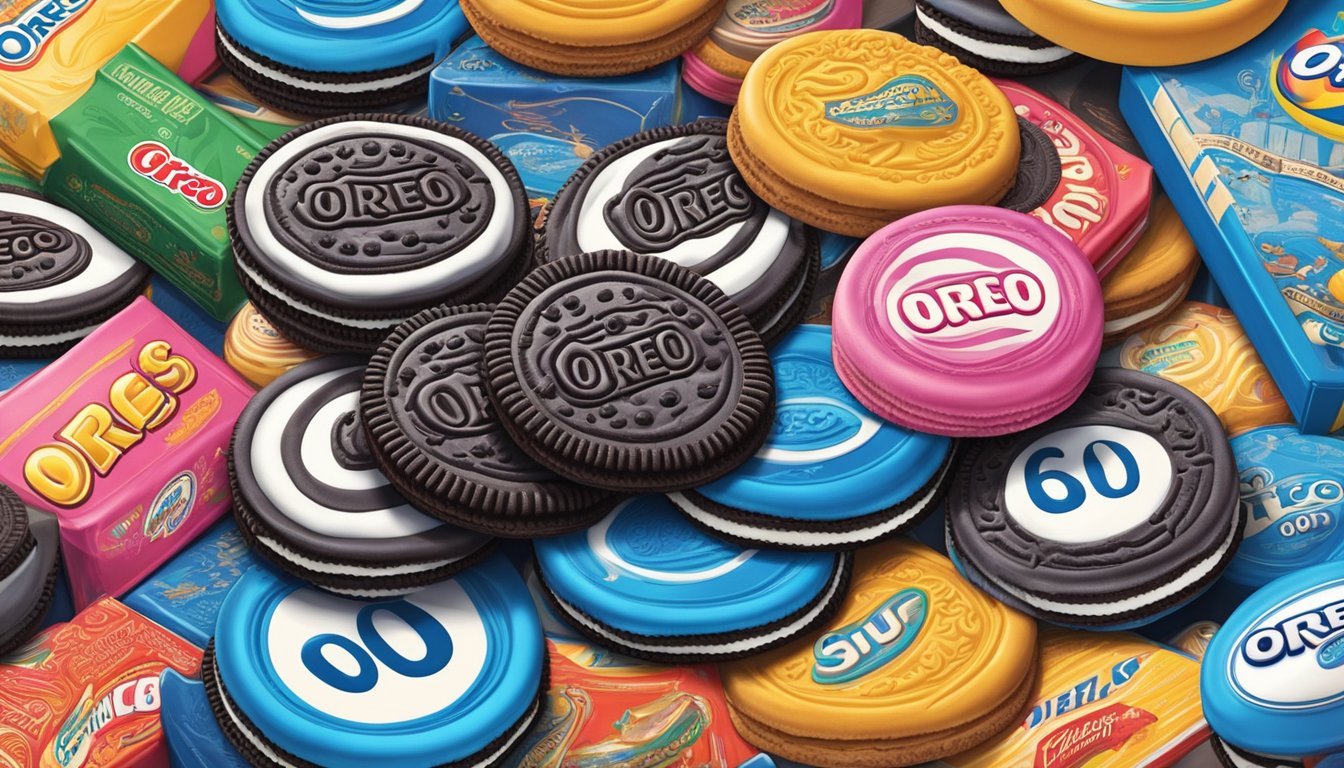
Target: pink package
x,y
201,57
123,438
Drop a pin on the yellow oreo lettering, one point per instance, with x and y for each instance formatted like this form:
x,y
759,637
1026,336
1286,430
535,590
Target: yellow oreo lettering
x,y
59,474
94,432
173,373
139,403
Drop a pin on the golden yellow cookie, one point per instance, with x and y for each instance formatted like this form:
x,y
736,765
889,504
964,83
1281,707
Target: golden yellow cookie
x,y
592,38
1149,283
1204,349
1149,33
917,665
850,130
1102,700
258,352
720,60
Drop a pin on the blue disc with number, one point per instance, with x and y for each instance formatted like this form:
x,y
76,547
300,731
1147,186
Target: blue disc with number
x,y
831,475
647,582
1110,515
1292,497
450,673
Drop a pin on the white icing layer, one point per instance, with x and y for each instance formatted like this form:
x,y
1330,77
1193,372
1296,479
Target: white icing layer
x,y
46,339
1122,323
350,570
360,86
473,261
107,262
996,51
307,309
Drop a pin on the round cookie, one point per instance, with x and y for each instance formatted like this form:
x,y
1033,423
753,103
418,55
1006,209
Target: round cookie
x,y
579,37
1149,284
917,665
1038,170
257,351
1231,757
831,475
628,373
343,228
850,130
967,321
1147,33
296,55
982,35
674,193
1292,499
1272,682
435,434
647,583
60,278
310,498
1108,516
29,566
1204,349
450,675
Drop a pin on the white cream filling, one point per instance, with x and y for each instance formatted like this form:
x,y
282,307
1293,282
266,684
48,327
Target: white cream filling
x,y
1242,762
268,287
742,645
996,51
1122,323
350,570
44,340
361,86
805,538
1176,585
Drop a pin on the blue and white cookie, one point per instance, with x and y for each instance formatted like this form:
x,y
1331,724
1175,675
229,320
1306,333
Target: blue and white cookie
x,y
647,583
1272,681
1292,498
831,475
450,675
317,57
310,498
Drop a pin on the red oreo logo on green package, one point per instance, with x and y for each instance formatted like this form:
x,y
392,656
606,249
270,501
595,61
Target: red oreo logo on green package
x,y
157,163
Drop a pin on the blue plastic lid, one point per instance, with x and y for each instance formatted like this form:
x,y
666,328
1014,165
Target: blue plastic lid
x,y
1272,680
344,35
828,457
430,678
189,725
1292,497
646,570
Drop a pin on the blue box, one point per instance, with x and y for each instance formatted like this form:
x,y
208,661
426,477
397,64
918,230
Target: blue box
x,y
185,594
548,124
1262,194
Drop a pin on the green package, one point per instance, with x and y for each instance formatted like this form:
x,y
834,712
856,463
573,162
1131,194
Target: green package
x,y
151,163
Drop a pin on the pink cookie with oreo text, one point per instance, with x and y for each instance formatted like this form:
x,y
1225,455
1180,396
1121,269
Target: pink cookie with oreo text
x,y
967,321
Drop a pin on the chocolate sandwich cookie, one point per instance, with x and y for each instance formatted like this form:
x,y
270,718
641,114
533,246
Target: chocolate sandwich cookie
x,y
59,277
1117,511
647,583
1038,170
981,34
308,495
831,475
29,564
675,193
1232,757
296,55
344,228
435,434
628,372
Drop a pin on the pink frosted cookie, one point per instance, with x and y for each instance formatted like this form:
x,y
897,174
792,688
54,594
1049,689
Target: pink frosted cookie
x,y
967,321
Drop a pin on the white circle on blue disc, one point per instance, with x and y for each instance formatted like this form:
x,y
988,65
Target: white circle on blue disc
x,y
827,457
426,679
1089,483
1292,497
644,569
1272,680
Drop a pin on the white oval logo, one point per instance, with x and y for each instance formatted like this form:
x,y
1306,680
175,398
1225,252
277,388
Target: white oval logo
x,y
1291,656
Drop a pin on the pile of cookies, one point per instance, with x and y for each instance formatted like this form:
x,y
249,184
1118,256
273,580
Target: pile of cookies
x,y
870,417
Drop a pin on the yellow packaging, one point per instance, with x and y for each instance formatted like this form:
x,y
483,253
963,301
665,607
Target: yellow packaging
x,y
1101,701
51,49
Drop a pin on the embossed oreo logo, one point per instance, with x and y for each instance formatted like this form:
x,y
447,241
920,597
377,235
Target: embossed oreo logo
x,y
358,199
686,192
625,363
854,650
907,101
35,253
23,37
970,293
1292,656
157,163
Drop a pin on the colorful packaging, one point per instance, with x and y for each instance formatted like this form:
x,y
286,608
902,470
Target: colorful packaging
x,y
1248,146
185,594
606,709
547,124
124,439
1101,701
50,49
86,694
151,163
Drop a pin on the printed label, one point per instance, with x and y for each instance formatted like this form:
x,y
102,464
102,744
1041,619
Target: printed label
x,y
906,101
171,507
23,37
1310,77
1085,692
852,651
1072,745
74,741
1292,656
774,16
157,163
